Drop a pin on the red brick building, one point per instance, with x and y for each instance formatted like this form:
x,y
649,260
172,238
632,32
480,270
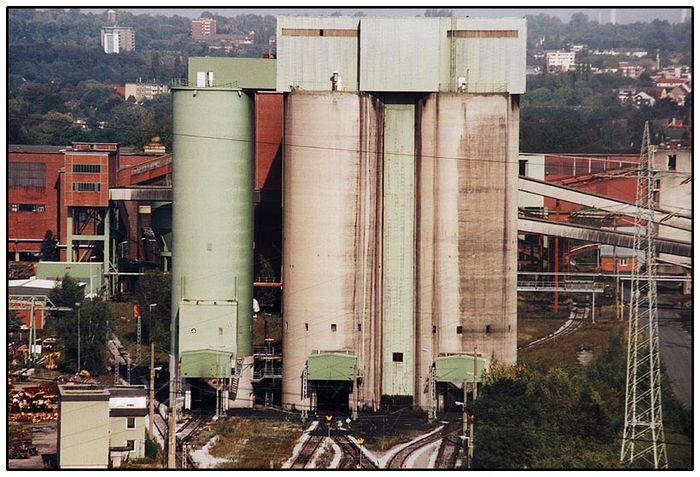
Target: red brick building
x,y
45,181
34,198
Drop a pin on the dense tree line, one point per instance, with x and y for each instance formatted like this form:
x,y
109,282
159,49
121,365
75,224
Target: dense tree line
x,y
662,35
563,417
59,74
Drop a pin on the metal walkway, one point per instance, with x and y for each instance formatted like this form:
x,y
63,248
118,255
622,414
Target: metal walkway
x,y
573,286
591,234
670,218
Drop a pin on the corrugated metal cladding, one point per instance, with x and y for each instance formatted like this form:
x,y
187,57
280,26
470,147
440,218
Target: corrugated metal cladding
x,y
403,54
399,54
311,49
247,73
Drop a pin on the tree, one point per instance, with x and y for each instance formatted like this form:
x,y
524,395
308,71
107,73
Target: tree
x,y
95,322
49,247
551,418
14,322
154,287
67,293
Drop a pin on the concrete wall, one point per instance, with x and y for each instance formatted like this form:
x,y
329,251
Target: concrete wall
x,y
467,260
330,234
119,435
534,168
83,434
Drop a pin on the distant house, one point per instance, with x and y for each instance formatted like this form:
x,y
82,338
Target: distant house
x,y
625,93
642,99
617,259
629,70
679,93
674,89
560,60
144,91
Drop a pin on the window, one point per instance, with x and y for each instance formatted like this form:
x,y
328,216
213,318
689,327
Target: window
x,y
130,444
87,187
488,328
672,162
434,329
27,208
26,174
334,327
551,167
131,423
359,327
397,357
87,168
623,262
459,329
522,167
306,326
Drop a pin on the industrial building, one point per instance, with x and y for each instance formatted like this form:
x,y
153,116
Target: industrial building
x,y
102,202
395,132
100,427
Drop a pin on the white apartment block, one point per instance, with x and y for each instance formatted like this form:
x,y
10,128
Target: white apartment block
x,y
144,91
560,60
117,39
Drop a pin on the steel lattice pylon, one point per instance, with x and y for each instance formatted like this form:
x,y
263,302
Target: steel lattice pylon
x,y
643,438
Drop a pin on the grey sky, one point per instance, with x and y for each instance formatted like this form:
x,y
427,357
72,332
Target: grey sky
x,y
624,15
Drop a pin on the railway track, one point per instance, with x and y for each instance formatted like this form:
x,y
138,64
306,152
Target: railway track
x,y
571,325
307,452
160,424
185,435
352,457
449,447
400,458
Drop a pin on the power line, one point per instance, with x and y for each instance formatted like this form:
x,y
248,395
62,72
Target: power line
x,y
287,144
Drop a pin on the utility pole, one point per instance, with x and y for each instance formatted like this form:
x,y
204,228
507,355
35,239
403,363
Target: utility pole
x,y
643,436
471,421
172,424
465,421
78,306
138,339
152,397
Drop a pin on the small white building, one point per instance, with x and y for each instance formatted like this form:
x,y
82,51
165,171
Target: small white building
x,y
560,60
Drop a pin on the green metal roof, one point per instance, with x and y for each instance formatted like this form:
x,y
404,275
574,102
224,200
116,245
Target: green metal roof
x,y
246,73
332,366
458,368
206,363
